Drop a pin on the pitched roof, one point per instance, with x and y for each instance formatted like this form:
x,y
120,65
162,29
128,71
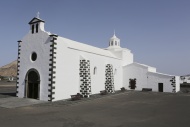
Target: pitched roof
x,y
35,20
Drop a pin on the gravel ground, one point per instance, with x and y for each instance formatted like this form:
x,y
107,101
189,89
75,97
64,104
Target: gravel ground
x,y
122,109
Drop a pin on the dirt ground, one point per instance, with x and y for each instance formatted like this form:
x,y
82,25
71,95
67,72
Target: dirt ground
x,y
7,88
127,109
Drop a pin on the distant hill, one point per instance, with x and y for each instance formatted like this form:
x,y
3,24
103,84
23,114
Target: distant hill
x,y
9,69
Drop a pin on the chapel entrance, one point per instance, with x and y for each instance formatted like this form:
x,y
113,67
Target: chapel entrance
x,y
160,87
32,84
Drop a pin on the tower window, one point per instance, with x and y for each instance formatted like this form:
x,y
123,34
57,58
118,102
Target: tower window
x,y
32,29
112,43
115,42
36,28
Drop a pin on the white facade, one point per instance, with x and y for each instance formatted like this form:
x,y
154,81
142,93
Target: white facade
x,y
147,77
52,68
185,79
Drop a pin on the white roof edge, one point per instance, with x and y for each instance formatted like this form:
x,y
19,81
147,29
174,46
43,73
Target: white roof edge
x,y
161,73
140,65
119,48
126,49
144,65
134,63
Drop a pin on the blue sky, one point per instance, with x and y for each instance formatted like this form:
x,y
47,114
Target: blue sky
x,y
156,31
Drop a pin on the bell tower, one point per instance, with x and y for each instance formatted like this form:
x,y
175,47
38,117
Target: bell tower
x,y
114,42
36,24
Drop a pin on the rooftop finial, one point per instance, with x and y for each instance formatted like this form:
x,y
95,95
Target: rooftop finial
x,y
38,15
114,33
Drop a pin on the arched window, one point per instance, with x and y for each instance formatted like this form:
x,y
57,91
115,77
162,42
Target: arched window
x,y
95,70
115,42
111,43
32,29
36,28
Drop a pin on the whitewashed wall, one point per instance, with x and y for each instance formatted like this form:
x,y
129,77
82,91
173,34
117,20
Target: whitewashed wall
x,y
151,69
155,78
177,83
39,43
67,70
185,80
147,78
135,71
127,57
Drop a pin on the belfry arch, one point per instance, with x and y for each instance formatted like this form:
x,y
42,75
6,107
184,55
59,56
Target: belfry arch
x,y
32,84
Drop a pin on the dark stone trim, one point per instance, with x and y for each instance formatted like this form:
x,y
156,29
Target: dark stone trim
x,y
109,79
85,78
52,66
173,83
53,35
18,66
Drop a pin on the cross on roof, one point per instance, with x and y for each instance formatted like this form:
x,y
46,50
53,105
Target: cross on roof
x,y
38,15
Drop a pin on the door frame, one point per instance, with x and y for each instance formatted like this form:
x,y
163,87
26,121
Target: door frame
x,y
26,83
161,86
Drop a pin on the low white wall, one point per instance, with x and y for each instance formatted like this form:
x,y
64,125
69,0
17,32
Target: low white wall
x,y
135,71
155,78
147,79
151,69
177,78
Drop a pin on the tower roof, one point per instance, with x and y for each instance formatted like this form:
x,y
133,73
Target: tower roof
x,y
114,36
36,20
114,41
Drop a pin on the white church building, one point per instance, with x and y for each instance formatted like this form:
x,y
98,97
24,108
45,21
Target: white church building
x,y
52,68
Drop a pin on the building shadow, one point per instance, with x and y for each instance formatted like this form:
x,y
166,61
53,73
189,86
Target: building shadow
x,y
13,94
